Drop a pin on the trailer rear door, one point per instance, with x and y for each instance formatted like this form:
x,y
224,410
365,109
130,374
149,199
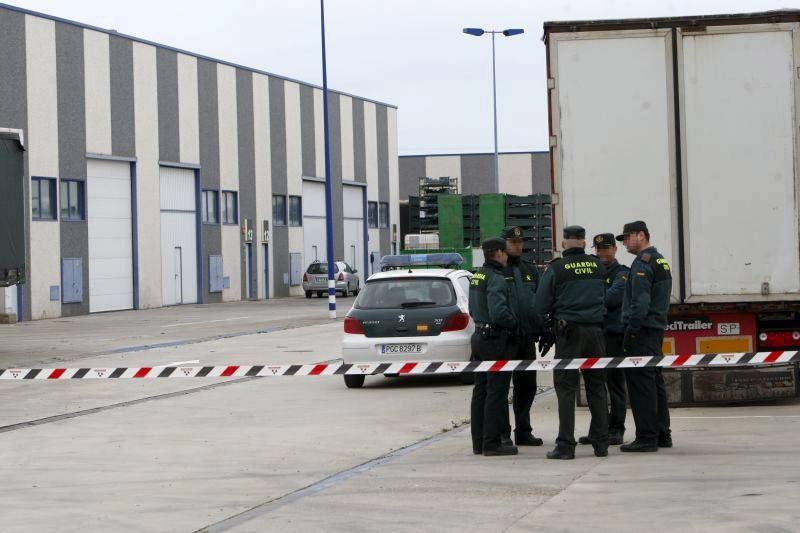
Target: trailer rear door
x,y
613,116
741,218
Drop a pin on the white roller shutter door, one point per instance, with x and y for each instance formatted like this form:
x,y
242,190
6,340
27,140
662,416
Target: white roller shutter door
x,y
108,211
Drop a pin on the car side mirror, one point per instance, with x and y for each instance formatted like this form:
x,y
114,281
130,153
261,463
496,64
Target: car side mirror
x,y
355,271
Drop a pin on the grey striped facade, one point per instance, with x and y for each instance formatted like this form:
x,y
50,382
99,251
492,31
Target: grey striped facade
x,y
186,117
521,173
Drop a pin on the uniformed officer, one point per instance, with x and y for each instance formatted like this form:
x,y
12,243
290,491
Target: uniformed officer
x,y
522,277
616,277
572,291
644,315
495,324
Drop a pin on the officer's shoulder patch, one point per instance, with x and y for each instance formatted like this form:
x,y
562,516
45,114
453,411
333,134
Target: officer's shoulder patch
x,y
646,258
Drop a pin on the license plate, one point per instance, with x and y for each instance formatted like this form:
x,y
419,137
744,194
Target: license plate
x,y
401,348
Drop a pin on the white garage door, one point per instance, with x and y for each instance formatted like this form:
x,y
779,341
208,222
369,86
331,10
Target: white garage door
x,y
354,228
108,209
178,236
314,244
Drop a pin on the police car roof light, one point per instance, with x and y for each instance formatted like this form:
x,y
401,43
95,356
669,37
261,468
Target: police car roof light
x,y
444,260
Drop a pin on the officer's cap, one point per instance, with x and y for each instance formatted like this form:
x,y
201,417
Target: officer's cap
x,y
493,244
633,227
574,232
603,240
512,232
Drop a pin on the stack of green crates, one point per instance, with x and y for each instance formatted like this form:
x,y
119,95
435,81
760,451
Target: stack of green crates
x,y
533,215
472,228
463,222
451,221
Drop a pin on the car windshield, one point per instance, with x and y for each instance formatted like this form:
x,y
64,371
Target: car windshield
x,y
321,268
403,293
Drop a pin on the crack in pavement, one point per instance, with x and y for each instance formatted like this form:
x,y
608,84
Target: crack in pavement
x,y
335,479
268,506
564,488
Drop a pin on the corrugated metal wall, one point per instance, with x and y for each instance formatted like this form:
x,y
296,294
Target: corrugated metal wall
x,y
76,90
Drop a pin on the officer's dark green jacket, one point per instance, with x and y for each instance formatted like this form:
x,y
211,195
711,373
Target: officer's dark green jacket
x,y
647,292
572,289
616,279
489,298
523,278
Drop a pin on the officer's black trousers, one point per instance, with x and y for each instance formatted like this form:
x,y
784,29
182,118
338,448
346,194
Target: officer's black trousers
x,y
489,407
615,381
524,389
647,389
581,341
477,411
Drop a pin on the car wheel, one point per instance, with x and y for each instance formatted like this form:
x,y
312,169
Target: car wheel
x,y
354,381
319,294
467,379
308,294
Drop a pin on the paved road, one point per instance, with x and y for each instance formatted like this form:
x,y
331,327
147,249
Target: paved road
x,y
72,338
300,454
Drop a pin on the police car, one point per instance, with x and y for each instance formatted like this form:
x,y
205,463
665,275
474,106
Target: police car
x,y
415,309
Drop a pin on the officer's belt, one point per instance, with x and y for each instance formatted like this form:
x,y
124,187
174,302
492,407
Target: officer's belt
x,y
582,324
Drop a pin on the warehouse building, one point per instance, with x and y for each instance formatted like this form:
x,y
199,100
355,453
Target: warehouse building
x,y
521,173
154,176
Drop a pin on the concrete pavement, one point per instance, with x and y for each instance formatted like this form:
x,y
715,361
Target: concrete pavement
x,y
73,338
305,453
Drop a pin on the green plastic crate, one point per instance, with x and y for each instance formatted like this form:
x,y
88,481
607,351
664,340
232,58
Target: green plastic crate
x,y
451,221
492,215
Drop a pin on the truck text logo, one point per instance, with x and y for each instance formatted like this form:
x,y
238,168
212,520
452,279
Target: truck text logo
x,y
685,325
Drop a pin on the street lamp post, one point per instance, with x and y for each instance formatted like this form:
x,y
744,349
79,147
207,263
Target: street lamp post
x,y
477,32
328,203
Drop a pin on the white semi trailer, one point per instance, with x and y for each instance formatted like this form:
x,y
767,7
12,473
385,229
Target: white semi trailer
x,y
691,124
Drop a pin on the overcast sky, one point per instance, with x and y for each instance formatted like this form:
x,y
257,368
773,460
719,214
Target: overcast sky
x,y
410,53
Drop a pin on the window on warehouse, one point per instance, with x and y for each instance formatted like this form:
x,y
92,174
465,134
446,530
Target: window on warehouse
x,y
372,214
295,211
279,210
230,207
73,200
383,215
210,206
43,198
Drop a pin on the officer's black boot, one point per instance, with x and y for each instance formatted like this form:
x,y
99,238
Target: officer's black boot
x,y
527,439
665,440
501,450
561,452
615,437
639,446
505,439
585,440
601,450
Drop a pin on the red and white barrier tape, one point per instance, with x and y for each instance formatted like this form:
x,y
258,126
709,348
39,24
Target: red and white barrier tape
x,y
405,367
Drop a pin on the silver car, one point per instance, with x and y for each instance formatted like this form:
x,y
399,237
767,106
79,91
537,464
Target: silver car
x,y
315,280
